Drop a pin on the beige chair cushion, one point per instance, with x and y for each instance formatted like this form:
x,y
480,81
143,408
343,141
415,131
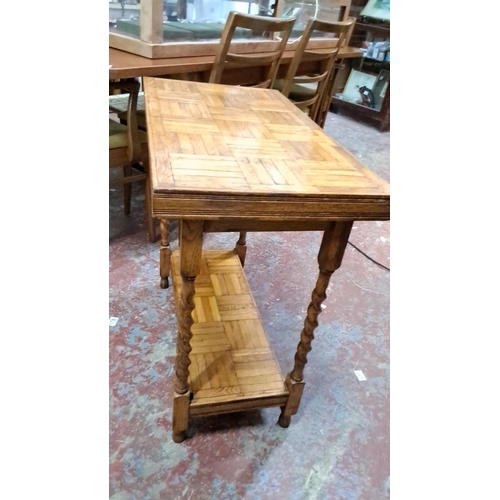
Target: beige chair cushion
x,y
118,135
297,92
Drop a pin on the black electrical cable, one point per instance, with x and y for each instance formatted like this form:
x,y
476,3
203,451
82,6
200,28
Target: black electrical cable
x,y
368,257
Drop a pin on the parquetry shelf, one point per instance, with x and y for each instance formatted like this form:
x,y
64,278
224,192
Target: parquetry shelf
x,y
232,364
229,158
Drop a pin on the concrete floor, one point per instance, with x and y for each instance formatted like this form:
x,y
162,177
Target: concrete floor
x,y
337,446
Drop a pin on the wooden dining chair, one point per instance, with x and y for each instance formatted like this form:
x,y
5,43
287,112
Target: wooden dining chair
x,y
307,92
128,149
267,62
118,104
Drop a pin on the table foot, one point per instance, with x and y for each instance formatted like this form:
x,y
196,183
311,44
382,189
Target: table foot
x,y
284,421
178,437
295,390
180,417
164,283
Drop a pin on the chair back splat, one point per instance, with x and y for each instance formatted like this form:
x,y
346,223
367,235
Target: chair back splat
x,y
268,61
293,87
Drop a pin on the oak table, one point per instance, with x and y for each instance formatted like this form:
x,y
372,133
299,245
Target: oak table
x,y
227,158
125,65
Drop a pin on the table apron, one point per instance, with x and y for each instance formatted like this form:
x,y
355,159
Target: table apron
x,y
235,225
181,207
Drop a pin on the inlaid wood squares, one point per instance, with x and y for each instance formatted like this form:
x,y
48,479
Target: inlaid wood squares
x,y
231,359
223,142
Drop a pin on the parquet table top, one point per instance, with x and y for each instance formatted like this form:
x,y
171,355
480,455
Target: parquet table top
x,y
244,152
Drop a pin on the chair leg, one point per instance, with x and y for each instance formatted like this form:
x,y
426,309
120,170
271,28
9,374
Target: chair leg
x,y
127,189
149,209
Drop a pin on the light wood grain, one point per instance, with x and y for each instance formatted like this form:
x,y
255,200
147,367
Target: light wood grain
x,y
132,46
270,61
180,417
165,253
283,167
215,172
231,358
126,64
190,258
151,21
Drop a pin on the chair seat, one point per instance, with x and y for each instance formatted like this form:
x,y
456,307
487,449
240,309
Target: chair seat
x,y
118,135
119,102
297,92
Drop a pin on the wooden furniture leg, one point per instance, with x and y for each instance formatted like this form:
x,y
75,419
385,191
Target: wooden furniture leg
x,y
329,259
150,222
241,247
191,240
165,253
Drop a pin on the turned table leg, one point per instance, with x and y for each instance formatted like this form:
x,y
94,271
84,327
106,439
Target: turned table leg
x,y
190,240
165,253
329,259
241,247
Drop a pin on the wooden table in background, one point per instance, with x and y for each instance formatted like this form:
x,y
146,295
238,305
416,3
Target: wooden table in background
x,y
126,65
227,158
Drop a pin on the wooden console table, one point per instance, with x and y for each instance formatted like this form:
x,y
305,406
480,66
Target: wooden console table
x,y
229,158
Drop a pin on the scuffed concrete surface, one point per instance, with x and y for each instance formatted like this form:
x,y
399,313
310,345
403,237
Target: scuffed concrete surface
x,y
337,446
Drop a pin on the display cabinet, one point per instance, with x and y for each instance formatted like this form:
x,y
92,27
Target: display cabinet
x,y
362,87
183,28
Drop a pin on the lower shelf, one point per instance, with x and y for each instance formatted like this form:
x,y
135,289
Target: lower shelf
x,y
232,366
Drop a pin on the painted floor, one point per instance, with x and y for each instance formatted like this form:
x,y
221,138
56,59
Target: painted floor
x,y
337,446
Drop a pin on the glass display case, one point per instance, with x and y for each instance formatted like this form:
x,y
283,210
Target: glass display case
x,y
201,20
181,28
361,91
367,83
